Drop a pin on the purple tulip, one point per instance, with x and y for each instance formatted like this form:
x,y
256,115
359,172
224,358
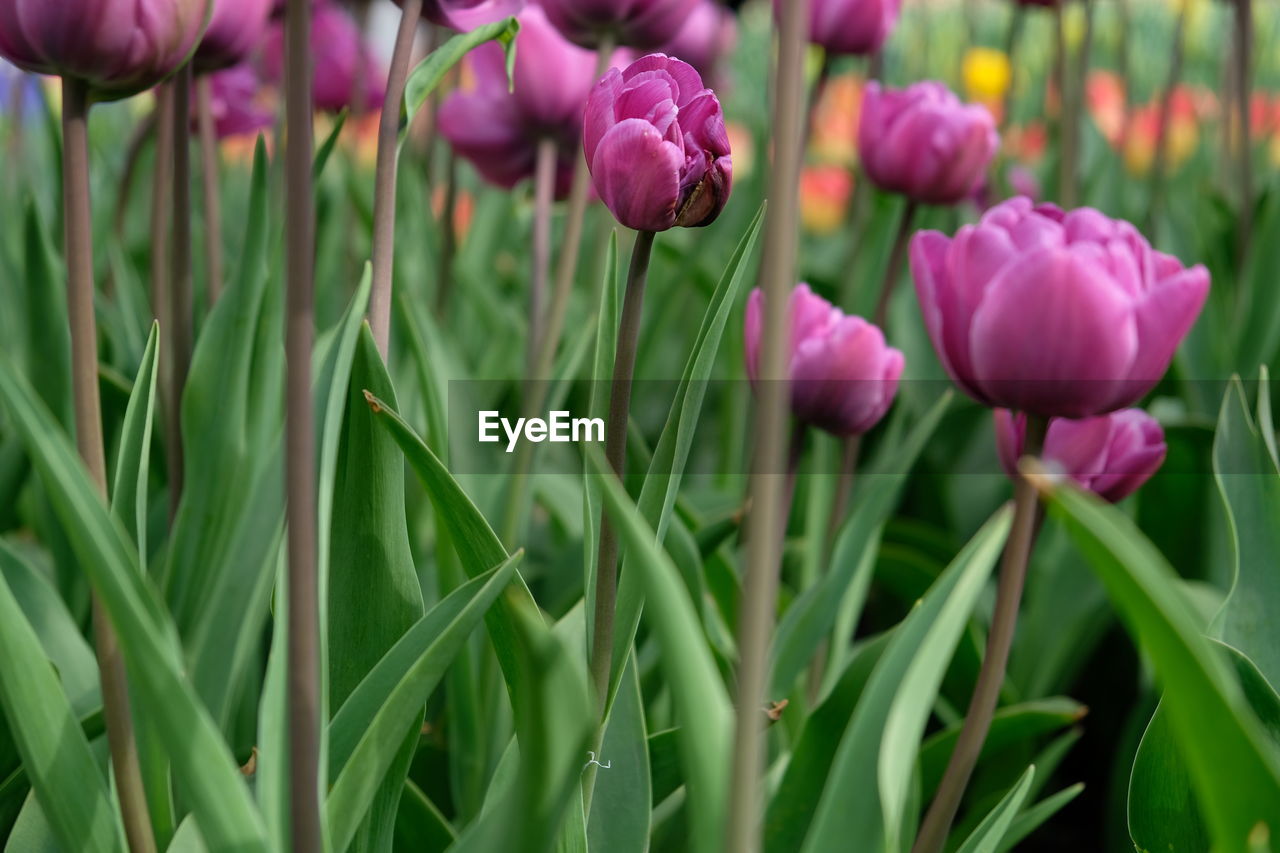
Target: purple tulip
x,y
236,29
708,35
843,377
850,26
656,145
1110,455
118,47
1056,314
498,129
466,15
643,24
924,143
344,64
237,104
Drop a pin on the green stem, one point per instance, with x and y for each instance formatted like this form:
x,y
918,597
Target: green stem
x,y
303,679
180,285
764,546
212,196
1160,162
893,270
1244,138
448,237
544,180
1013,38
88,418
986,693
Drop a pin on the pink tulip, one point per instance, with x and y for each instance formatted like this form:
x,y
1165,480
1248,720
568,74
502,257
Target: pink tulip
x,y
344,64
656,145
924,143
466,15
708,36
850,26
236,102
118,47
235,30
1110,455
1057,314
843,377
643,24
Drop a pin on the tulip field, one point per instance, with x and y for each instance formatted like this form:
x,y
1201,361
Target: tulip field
x,y
639,425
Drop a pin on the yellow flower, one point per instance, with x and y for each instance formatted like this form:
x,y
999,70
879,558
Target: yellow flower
x,y
987,74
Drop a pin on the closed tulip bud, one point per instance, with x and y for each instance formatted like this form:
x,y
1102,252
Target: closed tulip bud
x,y
924,143
497,128
237,102
236,29
346,73
1057,314
843,377
1110,455
708,35
643,24
850,26
655,142
466,15
117,47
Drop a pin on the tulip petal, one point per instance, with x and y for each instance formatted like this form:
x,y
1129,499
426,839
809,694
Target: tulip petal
x,y
637,174
1164,316
601,113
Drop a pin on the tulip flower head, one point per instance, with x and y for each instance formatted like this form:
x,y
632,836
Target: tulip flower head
x,y
1052,313
346,72
117,47
924,143
708,35
843,377
643,24
466,15
850,26
237,102
497,128
1110,455
236,28
655,142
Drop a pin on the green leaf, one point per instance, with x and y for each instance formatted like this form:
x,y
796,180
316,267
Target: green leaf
x,y
204,767
809,619
428,73
1233,770
367,734
71,790
703,709
849,807
419,824
621,805
1033,818
989,834
129,492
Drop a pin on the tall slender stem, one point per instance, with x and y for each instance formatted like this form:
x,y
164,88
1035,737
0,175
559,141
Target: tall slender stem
x,y
88,419
844,487
1077,103
986,693
893,271
182,320
448,235
303,628
1244,138
212,194
384,193
161,311
764,547
615,450
567,265
1013,37
861,197
1161,158
1062,82
544,180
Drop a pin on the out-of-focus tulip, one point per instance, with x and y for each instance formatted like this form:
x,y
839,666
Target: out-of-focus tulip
x,y
843,377
236,29
1026,143
1139,151
850,26
465,15
1110,455
987,74
344,65
498,129
924,143
117,47
1052,313
824,197
643,24
835,121
708,36
655,142
238,102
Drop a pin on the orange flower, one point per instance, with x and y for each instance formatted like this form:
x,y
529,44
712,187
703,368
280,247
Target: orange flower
x,y
835,122
824,197
1027,142
1104,97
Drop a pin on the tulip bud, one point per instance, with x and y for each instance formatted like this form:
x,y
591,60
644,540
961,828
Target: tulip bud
x,y
843,377
850,26
1110,455
655,142
498,129
1056,314
236,102
466,15
117,47
643,24
344,65
708,35
236,28
924,143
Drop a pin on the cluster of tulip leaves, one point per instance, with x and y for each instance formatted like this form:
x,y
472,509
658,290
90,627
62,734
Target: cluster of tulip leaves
x,y
457,710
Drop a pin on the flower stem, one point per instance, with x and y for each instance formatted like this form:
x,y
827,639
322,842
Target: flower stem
x,y
615,450
161,310
88,420
448,236
182,312
544,180
986,693
303,681
893,271
1013,38
1062,81
384,193
1244,137
844,488
764,547
1161,158
212,196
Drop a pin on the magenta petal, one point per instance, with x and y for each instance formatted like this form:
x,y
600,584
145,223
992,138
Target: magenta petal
x,y
637,174
601,112
1164,315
